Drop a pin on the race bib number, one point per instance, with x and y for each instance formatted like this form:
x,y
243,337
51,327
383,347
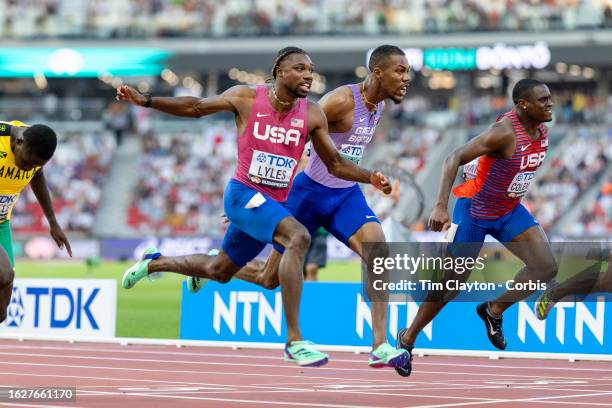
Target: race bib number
x,y
470,169
520,184
7,201
271,170
353,153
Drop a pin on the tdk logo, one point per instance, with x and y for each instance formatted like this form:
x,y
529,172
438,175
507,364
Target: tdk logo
x,y
81,307
7,199
15,312
352,150
64,307
277,134
277,161
533,160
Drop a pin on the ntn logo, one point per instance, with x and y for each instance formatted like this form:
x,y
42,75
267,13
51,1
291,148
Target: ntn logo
x,y
583,317
270,312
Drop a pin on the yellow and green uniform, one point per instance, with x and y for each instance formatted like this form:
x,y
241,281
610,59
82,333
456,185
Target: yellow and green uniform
x,y
12,181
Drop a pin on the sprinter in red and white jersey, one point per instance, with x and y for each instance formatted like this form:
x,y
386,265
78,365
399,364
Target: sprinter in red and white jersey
x,y
502,162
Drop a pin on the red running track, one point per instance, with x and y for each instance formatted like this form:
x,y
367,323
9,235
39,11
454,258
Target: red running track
x,y
143,376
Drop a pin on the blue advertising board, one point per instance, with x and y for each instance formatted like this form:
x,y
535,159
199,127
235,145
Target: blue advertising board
x,y
335,314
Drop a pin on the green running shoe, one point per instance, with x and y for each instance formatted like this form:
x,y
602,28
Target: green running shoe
x,y
194,284
140,269
544,305
302,353
386,355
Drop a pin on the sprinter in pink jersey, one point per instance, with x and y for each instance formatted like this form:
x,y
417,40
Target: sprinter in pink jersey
x,y
274,121
509,153
319,198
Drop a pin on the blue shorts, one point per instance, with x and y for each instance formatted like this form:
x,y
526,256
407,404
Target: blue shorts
x,y
250,229
504,229
341,211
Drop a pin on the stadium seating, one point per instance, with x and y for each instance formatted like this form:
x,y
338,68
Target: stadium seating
x,y
75,176
596,219
166,18
577,163
182,181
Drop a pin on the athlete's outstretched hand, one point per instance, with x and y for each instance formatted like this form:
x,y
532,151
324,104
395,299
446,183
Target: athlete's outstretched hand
x,y
60,238
381,182
127,93
439,220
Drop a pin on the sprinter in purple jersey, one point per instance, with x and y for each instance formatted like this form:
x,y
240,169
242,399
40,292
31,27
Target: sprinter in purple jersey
x,y
319,199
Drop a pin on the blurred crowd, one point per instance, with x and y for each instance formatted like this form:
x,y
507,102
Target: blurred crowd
x,y
596,219
75,176
183,174
412,139
182,179
571,107
220,18
579,161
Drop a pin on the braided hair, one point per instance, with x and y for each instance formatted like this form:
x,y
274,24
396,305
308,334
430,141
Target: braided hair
x,y
281,55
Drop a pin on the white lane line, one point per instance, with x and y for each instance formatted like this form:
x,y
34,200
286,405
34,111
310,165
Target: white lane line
x,y
574,388
515,400
169,381
292,367
249,401
419,395
20,404
257,389
346,391
317,390
574,403
458,404
570,366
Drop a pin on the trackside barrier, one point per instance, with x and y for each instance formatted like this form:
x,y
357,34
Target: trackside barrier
x,y
69,307
335,314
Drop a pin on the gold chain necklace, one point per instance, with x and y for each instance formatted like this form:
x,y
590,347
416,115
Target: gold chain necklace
x,y
278,100
366,99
